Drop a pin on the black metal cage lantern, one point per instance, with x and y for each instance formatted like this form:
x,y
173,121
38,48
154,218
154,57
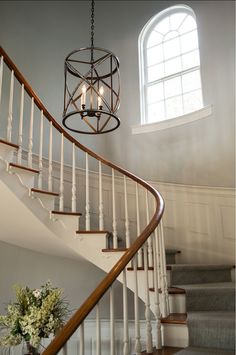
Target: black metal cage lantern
x,y
92,89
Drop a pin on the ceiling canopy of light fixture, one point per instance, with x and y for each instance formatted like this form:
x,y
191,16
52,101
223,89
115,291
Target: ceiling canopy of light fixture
x,y
92,89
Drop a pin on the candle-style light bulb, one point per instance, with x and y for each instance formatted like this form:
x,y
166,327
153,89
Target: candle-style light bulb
x,y
83,96
101,92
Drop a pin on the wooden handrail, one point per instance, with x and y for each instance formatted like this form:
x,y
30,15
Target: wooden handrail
x,y
70,327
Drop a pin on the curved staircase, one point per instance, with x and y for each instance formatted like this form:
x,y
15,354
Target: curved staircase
x,y
57,210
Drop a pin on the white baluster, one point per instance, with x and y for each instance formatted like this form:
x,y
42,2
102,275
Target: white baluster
x,y
20,135
30,145
157,249
150,258
138,347
9,120
140,255
157,311
40,179
61,199
125,316
98,330
87,205
147,304
81,341
114,224
73,189
112,323
1,75
50,160
163,268
101,216
127,232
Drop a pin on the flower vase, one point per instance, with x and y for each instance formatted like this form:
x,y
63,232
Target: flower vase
x,y
28,349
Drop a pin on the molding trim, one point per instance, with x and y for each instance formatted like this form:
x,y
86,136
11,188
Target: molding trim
x,y
174,122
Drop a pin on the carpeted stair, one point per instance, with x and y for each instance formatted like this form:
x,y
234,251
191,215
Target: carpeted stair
x,y
210,306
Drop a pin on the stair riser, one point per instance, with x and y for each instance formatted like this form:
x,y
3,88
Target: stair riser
x,y
26,177
177,303
70,223
175,335
6,152
199,276
47,201
218,334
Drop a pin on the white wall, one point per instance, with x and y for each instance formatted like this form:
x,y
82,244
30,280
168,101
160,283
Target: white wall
x,y
38,35
77,278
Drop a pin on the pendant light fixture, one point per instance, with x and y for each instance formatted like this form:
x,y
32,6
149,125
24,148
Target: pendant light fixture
x,y
92,89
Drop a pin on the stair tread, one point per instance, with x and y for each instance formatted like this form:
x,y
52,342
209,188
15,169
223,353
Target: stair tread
x,y
92,232
214,315
140,268
67,213
165,350
210,285
106,250
172,251
200,266
9,143
45,192
171,290
23,168
175,318
207,351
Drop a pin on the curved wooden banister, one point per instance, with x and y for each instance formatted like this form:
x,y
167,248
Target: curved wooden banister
x,y
66,332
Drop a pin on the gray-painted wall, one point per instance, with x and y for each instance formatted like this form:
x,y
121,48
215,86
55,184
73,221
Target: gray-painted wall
x,y
38,35
77,278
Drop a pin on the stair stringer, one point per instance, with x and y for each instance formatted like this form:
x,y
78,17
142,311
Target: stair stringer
x,y
42,232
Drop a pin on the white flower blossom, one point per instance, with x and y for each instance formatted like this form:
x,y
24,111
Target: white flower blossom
x,y
37,293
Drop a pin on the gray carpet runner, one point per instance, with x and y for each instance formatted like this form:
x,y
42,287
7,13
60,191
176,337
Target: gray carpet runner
x,y
210,306
196,351
197,274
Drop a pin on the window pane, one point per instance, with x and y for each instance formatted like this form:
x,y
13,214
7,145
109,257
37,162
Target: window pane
x,y
176,20
156,72
189,41
191,81
170,35
163,26
174,107
191,60
172,66
189,24
192,101
171,48
154,55
155,93
154,39
156,112
172,87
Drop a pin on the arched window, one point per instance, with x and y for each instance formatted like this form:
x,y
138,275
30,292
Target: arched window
x,y
169,65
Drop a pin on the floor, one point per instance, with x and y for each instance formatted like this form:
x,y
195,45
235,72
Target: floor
x,y
166,350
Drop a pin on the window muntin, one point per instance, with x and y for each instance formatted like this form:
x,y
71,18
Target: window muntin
x,y
170,65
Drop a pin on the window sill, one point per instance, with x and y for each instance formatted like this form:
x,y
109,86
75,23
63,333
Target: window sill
x,y
173,122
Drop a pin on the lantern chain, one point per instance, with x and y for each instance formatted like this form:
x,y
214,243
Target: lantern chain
x,y
92,27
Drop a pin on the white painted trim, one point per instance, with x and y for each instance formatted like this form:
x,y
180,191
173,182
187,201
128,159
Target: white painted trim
x,y
174,122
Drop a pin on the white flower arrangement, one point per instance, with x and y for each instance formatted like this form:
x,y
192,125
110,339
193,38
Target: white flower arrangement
x,y
36,314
